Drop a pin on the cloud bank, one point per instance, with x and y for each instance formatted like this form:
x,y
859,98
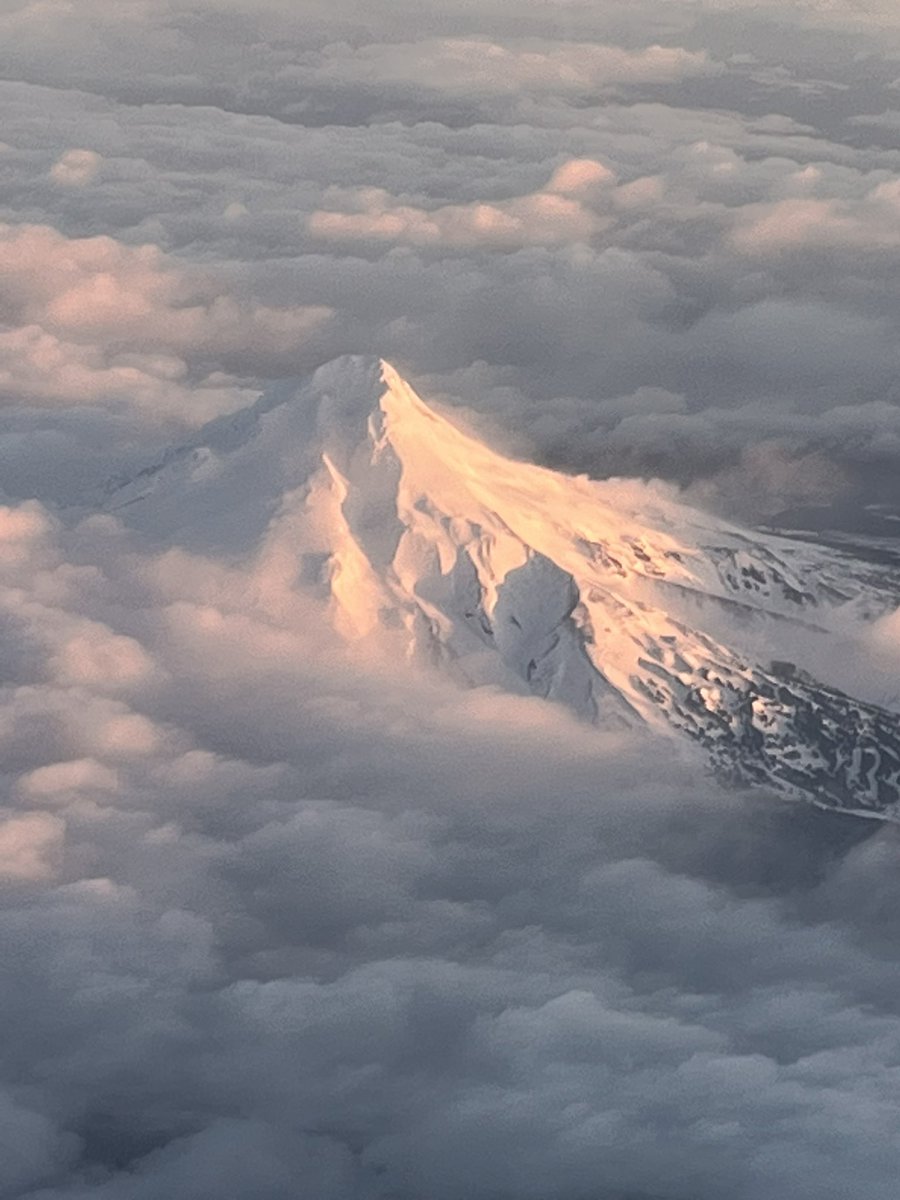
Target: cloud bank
x,y
362,934
389,183
346,932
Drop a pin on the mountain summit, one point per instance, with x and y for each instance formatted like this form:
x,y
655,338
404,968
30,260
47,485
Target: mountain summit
x,y
609,597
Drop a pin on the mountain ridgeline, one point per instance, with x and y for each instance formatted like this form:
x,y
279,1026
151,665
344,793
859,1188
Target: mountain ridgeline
x,y
611,597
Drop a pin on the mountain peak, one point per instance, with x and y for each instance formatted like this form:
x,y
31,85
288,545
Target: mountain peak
x,y
608,597
355,396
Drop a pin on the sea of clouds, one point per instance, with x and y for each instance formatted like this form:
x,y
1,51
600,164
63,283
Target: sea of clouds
x,y
279,922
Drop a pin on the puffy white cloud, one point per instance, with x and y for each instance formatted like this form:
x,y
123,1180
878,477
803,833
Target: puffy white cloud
x,y
67,778
24,530
803,223
29,844
75,168
93,320
560,212
580,175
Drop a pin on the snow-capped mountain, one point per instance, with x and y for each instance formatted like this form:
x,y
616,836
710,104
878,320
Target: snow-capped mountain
x,y
609,597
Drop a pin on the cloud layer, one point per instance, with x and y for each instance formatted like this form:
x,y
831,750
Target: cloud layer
x,y
283,922
390,183
357,932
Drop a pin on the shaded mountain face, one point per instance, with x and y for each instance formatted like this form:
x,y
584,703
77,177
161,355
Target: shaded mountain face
x,y
608,597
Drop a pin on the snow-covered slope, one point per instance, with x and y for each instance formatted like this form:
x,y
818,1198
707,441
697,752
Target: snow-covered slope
x,y
608,597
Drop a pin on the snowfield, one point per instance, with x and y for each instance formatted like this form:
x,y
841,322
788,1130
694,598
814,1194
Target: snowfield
x,y
610,597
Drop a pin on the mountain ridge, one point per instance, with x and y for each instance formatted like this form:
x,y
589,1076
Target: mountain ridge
x,y
606,596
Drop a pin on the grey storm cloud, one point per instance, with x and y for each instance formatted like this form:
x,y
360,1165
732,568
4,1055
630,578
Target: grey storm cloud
x,y
346,934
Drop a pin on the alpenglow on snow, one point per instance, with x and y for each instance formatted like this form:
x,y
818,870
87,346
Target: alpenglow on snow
x,y
610,597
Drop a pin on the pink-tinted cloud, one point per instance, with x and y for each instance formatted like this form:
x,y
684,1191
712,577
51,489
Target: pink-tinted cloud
x,y
75,167
30,845
96,321
870,222
568,209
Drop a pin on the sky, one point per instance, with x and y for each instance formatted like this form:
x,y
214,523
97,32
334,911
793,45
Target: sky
x,y
277,923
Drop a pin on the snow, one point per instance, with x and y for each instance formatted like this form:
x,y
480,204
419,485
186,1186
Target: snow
x,y
610,597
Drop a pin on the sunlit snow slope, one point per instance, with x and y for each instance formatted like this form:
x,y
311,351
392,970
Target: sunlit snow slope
x,y
608,597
